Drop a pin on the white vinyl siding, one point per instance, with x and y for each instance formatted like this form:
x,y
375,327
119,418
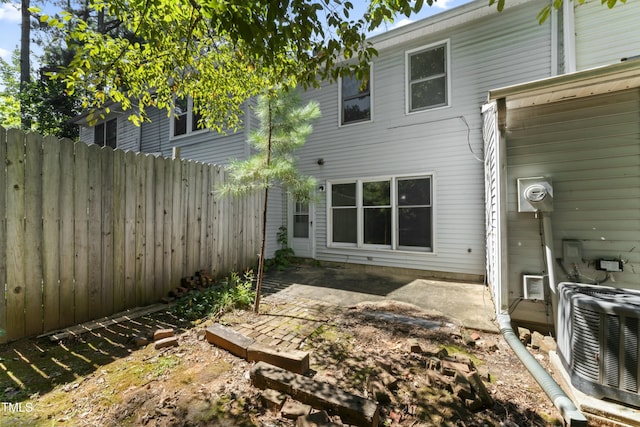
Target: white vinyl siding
x,y
590,149
445,142
604,36
204,146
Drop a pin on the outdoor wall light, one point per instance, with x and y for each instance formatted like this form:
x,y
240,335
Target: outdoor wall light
x,y
321,161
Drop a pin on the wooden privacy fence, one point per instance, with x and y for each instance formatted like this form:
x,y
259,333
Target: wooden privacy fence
x,y
87,231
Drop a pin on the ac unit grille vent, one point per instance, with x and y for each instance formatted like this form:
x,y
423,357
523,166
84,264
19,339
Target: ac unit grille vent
x,y
611,364
599,340
630,371
586,343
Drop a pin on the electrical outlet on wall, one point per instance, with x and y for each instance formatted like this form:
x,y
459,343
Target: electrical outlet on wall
x,y
609,265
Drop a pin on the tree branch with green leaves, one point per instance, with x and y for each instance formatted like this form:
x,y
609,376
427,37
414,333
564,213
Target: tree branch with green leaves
x,y
220,53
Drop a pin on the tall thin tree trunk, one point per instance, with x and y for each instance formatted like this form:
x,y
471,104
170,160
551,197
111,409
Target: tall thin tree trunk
x,y
256,306
25,61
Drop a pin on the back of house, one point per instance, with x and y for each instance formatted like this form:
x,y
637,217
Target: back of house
x,y
399,161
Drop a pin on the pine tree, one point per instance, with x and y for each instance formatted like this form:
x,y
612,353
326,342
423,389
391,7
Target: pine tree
x,y
284,128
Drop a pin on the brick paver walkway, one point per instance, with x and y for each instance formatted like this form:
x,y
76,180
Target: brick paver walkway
x,y
286,322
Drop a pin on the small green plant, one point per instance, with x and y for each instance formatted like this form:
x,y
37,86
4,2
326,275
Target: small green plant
x,y
234,292
282,257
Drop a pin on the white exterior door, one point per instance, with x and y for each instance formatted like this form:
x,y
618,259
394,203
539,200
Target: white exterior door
x,y
301,235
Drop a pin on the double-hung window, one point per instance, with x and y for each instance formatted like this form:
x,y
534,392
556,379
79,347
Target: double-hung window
x,y
428,77
355,100
344,213
185,119
393,213
105,134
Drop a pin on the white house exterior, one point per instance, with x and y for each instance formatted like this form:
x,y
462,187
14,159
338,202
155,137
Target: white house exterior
x,y
400,176
573,267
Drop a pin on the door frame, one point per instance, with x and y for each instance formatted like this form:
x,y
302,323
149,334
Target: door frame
x,y
312,234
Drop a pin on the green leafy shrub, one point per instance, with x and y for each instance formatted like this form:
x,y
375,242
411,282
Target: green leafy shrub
x,y
282,257
233,292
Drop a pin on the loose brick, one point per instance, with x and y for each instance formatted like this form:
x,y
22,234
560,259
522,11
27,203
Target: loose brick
x,y
352,409
462,387
273,399
162,333
140,341
450,368
318,419
292,360
228,339
479,388
525,335
414,346
166,342
536,340
292,409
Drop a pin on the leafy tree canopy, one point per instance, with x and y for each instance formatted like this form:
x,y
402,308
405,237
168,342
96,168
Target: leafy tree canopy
x,y
9,95
219,52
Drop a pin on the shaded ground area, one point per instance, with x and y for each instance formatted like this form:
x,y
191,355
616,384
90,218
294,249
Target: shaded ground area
x,y
103,379
466,304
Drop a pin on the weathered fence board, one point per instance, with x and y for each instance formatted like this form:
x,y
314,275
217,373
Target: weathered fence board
x,y
130,254
158,262
118,231
3,228
51,232
106,291
81,232
33,232
94,221
67,256
16,256
87,231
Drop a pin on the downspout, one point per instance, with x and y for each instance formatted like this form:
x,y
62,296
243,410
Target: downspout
x,y
547,238
572,416
569,37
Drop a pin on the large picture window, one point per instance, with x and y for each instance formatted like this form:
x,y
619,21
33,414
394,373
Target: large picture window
x,y
427,77
392,213
185,118
355,100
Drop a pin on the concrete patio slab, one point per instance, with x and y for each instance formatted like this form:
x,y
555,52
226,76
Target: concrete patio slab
x,y
467,304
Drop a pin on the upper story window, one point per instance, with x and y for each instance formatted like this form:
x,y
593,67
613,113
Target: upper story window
x,y
105,134
355,100
427,77
185,118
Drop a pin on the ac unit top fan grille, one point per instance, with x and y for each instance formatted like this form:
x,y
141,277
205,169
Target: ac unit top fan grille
x,y
599,340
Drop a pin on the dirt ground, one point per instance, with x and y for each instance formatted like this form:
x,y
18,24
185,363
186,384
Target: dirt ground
x,y
102,378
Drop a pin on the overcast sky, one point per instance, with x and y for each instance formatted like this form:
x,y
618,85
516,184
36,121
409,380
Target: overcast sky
x,y
10,20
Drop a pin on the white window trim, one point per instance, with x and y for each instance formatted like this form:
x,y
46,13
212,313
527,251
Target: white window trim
x,y
189,132
407,77
395,247
371,103
330,242
104,130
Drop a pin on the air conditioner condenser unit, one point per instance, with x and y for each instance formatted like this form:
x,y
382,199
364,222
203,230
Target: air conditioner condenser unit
x,y
599,340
